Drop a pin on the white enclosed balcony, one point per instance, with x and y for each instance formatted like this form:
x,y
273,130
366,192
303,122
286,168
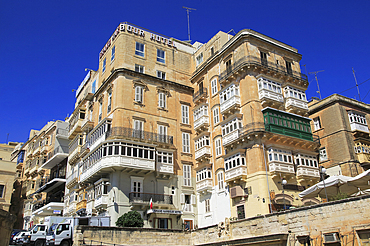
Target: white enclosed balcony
x,y
201,118
231,130
201,122
266,95
203,152
232,103
164,168
309,172
295,100
359,127
236,173
72,180
281,167
270,93
101,202
229,99
117,156
230,137
235,167
204,185
358,121
98,135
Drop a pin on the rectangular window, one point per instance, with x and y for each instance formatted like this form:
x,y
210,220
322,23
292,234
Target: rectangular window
x,y
214,86
139,68
138,128
185,114
263,58
161,100
289,67
218,147
220,180
212,51
316,123
240,211
109,101
323,154
161,56
162,132
104,64
139,94
185,142
216,116
161,75
208,205
228,66
199,59
187,175
93,87
163,223
100,110
2,191
364,236
139,49
113,53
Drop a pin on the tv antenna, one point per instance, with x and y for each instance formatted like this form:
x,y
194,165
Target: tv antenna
x,y
187,11
317,81
358,90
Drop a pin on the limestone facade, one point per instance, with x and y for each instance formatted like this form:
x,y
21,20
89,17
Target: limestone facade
x,y
343,128
44,157
132,118
252,130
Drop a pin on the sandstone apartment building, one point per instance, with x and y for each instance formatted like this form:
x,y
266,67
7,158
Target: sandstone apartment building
x,y
342,125
203,132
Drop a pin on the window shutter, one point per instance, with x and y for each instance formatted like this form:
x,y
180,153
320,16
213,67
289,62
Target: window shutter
x,y
193,200
182,198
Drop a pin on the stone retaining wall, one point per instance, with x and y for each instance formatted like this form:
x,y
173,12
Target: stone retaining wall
x,y
344,217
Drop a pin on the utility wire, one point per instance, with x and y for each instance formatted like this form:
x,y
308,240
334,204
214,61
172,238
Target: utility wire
x,y
354,86
366,95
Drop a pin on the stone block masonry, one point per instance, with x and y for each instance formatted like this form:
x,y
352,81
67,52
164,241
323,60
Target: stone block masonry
x,y
345,218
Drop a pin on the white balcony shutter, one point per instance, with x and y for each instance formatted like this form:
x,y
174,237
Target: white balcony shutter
x,y
182,198
193,200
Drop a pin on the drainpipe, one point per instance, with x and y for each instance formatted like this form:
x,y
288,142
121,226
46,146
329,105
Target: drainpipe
x,y
267,179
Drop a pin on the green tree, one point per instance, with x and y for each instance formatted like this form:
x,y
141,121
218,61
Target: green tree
x,y
130,219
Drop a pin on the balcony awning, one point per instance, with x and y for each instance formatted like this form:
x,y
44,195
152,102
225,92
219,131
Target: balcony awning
x,y
49,209
54,160
163,211
51,185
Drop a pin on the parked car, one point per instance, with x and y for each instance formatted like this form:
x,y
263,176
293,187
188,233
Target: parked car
x,y
14,232
18,238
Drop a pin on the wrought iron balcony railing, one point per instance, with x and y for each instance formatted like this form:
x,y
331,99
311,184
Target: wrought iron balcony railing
x,y
124,132
255,60
199,94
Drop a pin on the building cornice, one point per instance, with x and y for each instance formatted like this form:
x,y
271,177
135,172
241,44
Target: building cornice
x,y
245,33
336,98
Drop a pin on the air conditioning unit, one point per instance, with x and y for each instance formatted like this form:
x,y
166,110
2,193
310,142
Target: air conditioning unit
x,y
236,191
331,237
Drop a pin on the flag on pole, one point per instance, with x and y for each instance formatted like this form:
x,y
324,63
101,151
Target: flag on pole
x,y
151,203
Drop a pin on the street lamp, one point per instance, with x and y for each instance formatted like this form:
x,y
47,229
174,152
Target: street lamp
x,y
284,182
322,173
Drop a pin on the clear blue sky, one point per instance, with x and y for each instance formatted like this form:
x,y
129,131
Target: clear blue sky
x,y
46,45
